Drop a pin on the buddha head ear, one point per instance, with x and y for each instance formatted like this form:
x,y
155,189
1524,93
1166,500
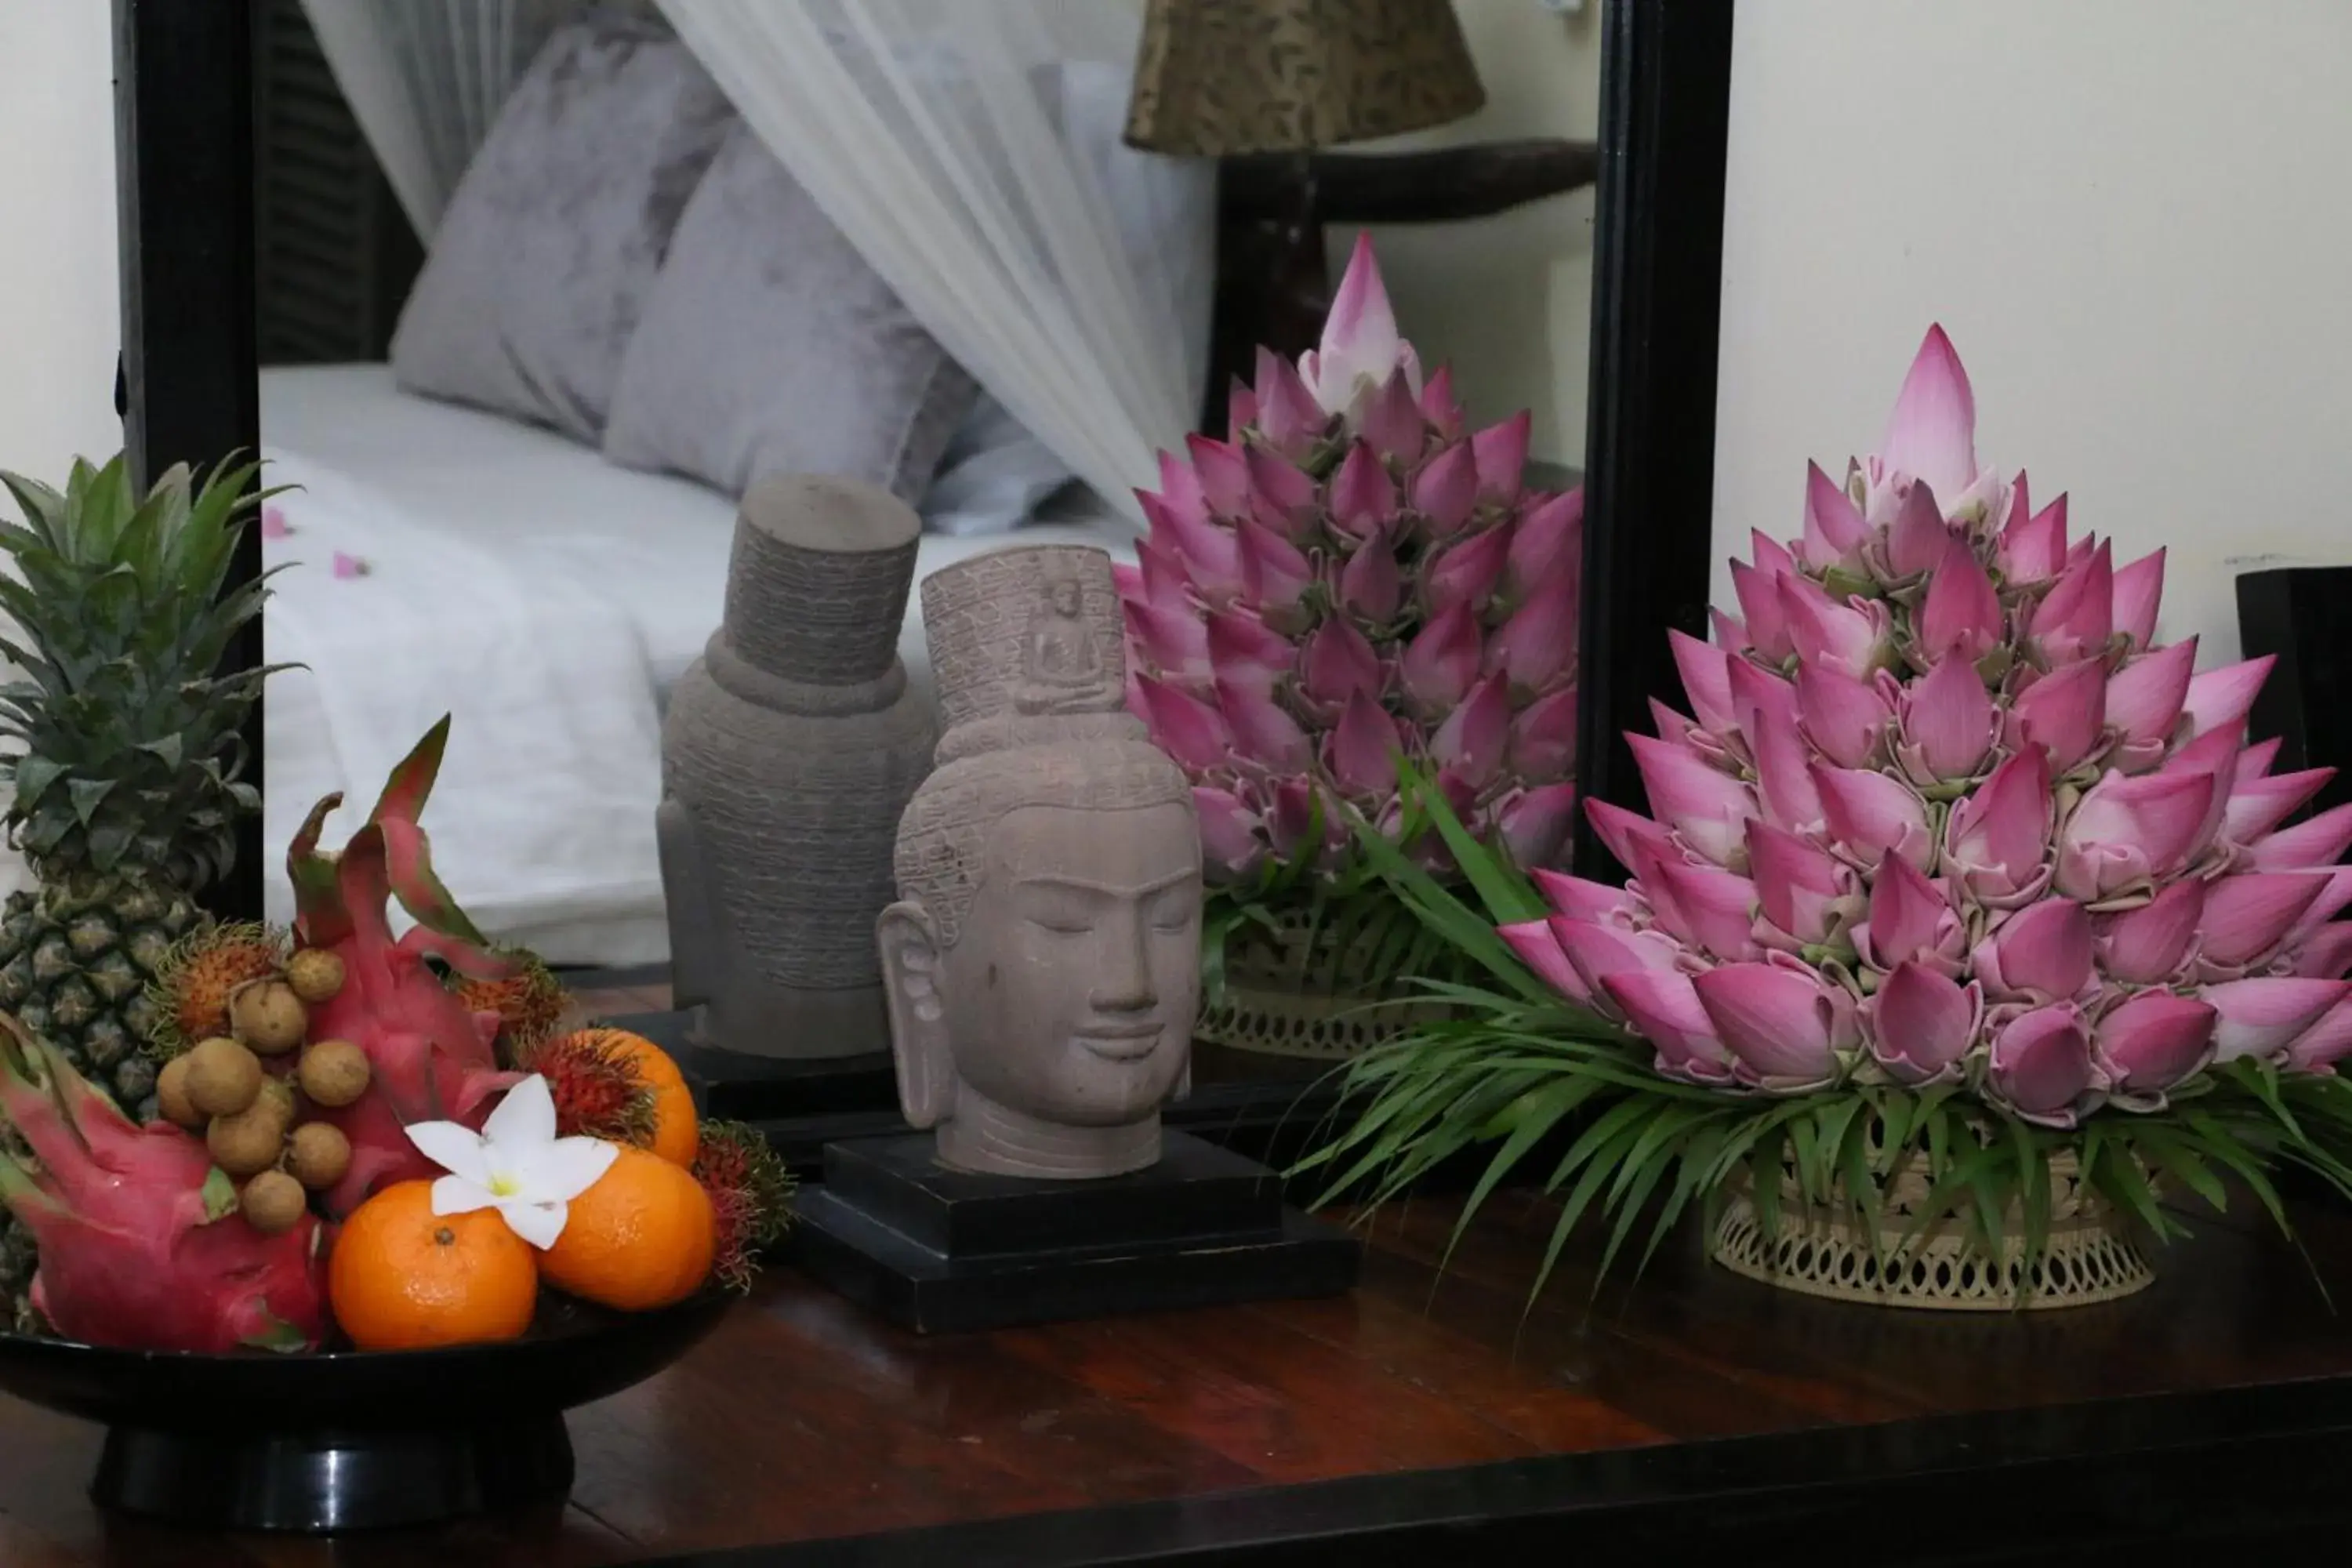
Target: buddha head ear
x,y
909,941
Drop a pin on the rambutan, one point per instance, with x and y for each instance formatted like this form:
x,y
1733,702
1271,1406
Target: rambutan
x,y
750,1195
596,1089
530,1001
193,987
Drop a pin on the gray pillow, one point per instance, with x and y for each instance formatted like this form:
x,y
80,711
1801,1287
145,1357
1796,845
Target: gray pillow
x,y
554,237
768,347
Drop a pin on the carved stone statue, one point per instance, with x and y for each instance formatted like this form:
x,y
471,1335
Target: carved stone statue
x,y
788,751
1042,961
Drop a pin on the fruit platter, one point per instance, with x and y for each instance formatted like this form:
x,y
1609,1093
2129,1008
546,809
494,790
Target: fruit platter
x,y
329,1225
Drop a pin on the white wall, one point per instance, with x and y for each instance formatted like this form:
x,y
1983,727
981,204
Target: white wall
x,y
2135,219
60,313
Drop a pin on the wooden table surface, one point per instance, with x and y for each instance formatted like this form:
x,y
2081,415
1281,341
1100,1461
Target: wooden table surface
x,y
805,1418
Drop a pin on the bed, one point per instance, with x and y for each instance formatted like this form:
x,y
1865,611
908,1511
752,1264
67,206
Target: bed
x,y
550,600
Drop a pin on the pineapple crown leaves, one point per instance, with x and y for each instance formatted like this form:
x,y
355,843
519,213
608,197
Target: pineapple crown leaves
x,y
132,757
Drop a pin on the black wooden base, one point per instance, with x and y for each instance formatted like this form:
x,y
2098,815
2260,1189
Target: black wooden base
x,y
736,1086
942,1251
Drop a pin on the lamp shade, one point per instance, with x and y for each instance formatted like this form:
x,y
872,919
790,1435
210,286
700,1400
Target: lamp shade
x,y
1219,77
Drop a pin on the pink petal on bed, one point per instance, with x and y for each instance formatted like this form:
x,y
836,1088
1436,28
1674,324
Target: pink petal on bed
x,y
274,524
348,567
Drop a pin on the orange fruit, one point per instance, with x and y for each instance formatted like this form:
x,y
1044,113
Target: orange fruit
x,y
401,1278
676,1135
643,1237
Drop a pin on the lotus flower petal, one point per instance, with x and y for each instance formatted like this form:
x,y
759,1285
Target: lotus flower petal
x,y
1241,408
1438,404
1706,679
1471,742
1225,475
2212,755
1582,898
1729,631
1548,545
1918,539
1446,487
1389,419
1707,809
1288,416
2138,588
1301,819
1371,586
1909,919
1543,738
2317,841
1441,662
2221,697
1625,832
1275,576
1246,652
2249,914
2155,1041
1532,941
2326,952
1870,814
1337,663
1535,824
1923,1023
2064,713
1962,613
1536,648
1710,909
2260,803
2039,954
1663,1008
1180,494
1850,638
1949,723
1834,532
2318,1049
1284,496
1997,839
2077,618
1172,645
1360,752
1502,454
1765,707
1467,571
1931,435
1363,498
1184,727
1846,717
2033,546
2254,761
1782,1026
1211,555
2262,1016
2042,1068
2126,830
1265,737
2150,945
2145,697
1808,894
1230,845
2335,897
1767,625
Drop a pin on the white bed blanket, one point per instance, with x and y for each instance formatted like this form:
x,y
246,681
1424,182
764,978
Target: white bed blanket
x,y
541,820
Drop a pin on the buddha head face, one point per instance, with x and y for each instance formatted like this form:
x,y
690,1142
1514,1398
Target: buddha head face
x,y
1062,594
1042,966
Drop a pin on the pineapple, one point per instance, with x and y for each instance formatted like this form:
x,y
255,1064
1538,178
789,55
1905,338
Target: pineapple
x,y
127,791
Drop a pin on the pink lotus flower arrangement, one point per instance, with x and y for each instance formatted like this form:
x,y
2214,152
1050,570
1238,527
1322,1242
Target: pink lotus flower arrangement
x,y
1348,576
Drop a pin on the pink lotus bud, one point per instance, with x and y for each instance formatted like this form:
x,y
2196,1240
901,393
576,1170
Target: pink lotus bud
x,y
1852,638
2033,545
1369,586
1846,717
1834,532
2335,897
2260,1018
1997,841
2144,699
1471,742
2213,755
2041,954
1241,409
2040,1067
2258,803
1543,738
2127,831
1625,832
1766,623
1437,405
2153,1041
1535,824
1162,576
1761,701
1184,727
1870,814
1705,907
2139,587
1172,645
1502,452
2077,618
1918,539
1931,435
1582,898
1303,819
1230,847
2063,713
1265,737
1663,1008
1910,920
1536,648
1337,663
1282,495
1180,493
1289,417
1673,724
1783,1027
1211,555
1467,571
1948,723
2317,841
1245,652
2249,914
1363,498
1923,1024
1446,489
1389,419
1360,752
1225,475
1706,679
1962,611
1275,576
2255,759
1766,708
2318,1049
1729,632
1439,663
1532,941
2148,945
2325,953
1709,808
1360,346
2219,698
1810,896
1548,545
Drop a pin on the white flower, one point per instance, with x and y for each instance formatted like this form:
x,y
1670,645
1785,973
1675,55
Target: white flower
x,y
515,1164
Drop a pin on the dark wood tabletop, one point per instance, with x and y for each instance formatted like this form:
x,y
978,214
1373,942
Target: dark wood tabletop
x,y
804,1419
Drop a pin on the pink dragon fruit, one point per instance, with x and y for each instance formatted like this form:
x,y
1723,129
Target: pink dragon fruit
x,y
1948,813
430,1058
142,1245
1348,576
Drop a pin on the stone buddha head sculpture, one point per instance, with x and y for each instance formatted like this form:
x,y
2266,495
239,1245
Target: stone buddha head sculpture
x,y
1042,964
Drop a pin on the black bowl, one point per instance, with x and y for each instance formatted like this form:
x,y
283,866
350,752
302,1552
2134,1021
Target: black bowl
x,y
353,1439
